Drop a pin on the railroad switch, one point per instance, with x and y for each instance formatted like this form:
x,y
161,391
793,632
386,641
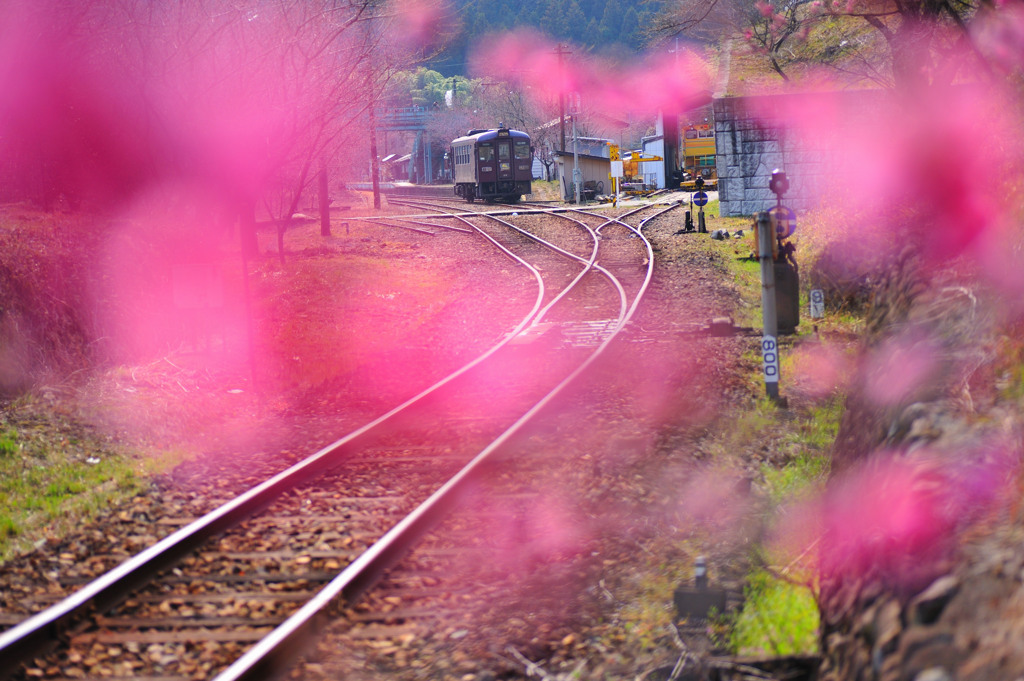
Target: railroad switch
x,y
547,330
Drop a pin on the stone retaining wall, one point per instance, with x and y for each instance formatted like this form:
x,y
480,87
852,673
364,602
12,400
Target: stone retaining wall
x,y
755,135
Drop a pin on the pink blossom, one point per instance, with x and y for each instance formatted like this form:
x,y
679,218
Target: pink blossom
x,y
898,368
712,498
608,87
421,22
820,369
896,519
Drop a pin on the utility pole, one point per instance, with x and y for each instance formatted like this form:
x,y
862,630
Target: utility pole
x,y
374,161
769,339
325,208
577,175
560,51
372,96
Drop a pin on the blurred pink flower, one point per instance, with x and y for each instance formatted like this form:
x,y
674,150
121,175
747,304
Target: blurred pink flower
x,y
422,22
820,369
714,498
897,518
897,368
1000,34
604,86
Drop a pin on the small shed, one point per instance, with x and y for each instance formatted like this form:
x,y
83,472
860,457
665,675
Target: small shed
x,y
396,167
596,172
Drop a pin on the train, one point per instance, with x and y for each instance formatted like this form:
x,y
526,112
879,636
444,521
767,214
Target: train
x,y
492,165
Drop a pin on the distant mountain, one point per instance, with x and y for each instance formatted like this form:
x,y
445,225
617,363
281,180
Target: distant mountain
x,y
590,25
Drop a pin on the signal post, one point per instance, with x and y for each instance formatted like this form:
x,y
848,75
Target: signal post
x,y
616,172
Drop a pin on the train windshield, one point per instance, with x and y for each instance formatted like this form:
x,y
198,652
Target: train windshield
x,y
522,150
503,152
486,153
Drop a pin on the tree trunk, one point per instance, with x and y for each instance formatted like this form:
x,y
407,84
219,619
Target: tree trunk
x,y
247,229
286,219
325,208
280,238
777,68
374,161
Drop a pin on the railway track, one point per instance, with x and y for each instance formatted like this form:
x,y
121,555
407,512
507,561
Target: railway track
x,y
236,593
625,260
405,623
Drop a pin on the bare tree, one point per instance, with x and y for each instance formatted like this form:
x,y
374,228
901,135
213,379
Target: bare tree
x,y
251,100
517,105
899,43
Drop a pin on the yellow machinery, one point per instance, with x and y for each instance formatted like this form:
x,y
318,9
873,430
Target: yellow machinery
x,y
632,175
699,155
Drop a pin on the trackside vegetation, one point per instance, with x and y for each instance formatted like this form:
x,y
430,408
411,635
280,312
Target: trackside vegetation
x,y
780,614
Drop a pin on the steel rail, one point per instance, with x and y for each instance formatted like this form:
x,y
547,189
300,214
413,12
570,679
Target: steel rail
x,y
589,265
117,583
430,224
647,244
466,213
385,223
273,655
38,632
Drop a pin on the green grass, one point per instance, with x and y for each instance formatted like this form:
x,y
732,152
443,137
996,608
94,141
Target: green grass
x,y
801,476
9,442
54,475
779,618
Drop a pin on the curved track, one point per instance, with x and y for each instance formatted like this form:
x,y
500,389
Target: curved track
x,y
249,571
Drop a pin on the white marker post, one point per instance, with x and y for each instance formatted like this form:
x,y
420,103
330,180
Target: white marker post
x,y
817,303
617,171
769,339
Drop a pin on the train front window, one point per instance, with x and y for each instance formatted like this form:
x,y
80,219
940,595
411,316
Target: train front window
x,y
522,150
486,153
503,152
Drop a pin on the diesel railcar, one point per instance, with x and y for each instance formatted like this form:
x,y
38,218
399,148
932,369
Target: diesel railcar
x,y
492,165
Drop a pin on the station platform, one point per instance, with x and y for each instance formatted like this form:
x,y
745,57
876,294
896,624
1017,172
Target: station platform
x,y
406,189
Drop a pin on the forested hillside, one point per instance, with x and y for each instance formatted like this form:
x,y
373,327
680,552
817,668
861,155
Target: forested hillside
x,y
593,25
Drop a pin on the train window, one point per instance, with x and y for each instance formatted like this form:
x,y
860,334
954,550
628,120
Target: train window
x,y
503,152
522,150
486,153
